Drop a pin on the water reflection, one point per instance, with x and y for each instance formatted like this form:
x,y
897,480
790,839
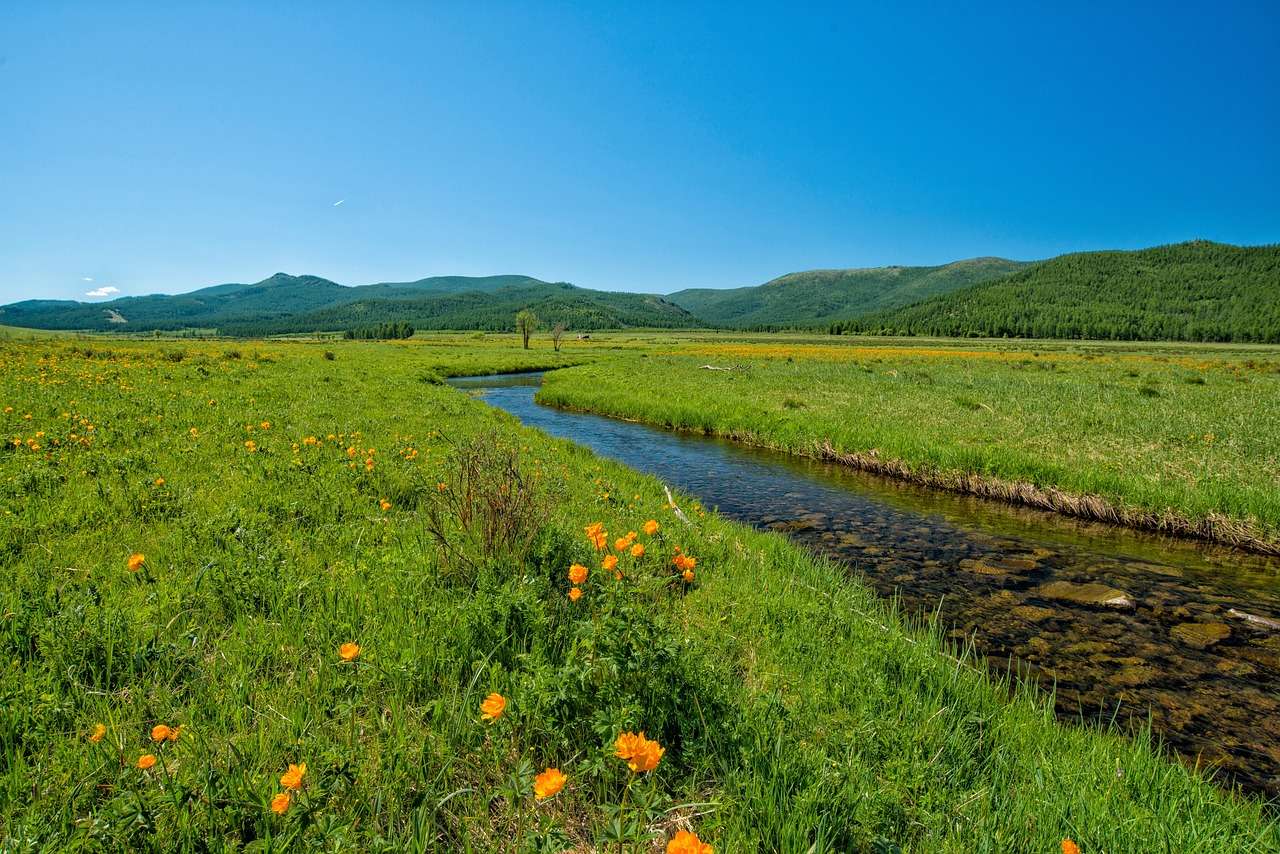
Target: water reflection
x,y
1123,624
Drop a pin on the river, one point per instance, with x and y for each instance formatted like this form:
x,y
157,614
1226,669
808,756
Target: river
x,y
1122,625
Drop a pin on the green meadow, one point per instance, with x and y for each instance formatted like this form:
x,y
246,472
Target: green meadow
x,y
194,530
1178,437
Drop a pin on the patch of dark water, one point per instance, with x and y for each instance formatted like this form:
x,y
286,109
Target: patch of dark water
x,y
1123,625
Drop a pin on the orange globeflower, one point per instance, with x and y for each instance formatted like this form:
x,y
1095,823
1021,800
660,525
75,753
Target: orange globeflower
x,y
99,730
385,505
685,842
280,803
651,527
348,651
620,544
145,761
292,779
1069,847
577,573
174,732
159,481
637,550
160,732
609,562
687,575
136,560
575,593
493,707
641,754
548,784
684,562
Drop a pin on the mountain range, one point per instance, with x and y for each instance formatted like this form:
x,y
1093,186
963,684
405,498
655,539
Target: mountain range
x,y
1196,290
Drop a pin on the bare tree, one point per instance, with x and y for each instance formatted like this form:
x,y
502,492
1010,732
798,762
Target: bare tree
x,y
526,324
557,332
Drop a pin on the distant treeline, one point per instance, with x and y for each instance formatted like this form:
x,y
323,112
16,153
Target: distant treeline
x,y
383,331
1197,291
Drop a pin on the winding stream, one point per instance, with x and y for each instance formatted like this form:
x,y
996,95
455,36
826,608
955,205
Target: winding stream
x,y
1122,624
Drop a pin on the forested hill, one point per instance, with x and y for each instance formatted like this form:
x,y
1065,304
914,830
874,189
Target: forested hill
x,y
817,296
1194,291
285,303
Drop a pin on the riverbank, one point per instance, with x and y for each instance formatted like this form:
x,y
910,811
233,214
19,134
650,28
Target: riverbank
x,y
194,533
1182,443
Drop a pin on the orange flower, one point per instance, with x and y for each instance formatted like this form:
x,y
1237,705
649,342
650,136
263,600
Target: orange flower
x,y
685,842
292,779
1069,847
385,505
687,575
145,761
160,732
250,445
99,730
637,550
684,562
641,754
575,593
280,803
609,562
577,573
441,486
136,560
493,707
548,784
620,544
266,425
651,527
349,651
174,732
159,481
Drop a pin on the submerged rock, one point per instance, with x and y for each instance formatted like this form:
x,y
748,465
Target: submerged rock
x,y
1033,613
1254,619
1201,635
1099,595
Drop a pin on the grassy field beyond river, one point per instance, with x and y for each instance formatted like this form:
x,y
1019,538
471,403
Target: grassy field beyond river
x,y
221,560
1175,438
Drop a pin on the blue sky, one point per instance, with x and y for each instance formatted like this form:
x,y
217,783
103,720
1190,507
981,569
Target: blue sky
x,y
652,147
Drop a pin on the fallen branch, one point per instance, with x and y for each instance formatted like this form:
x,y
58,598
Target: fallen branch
x,y
715,368
671,501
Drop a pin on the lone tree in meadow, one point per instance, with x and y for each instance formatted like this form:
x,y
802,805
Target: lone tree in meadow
x,y
557,332
526,324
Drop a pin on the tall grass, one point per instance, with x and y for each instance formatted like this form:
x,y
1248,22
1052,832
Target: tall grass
x,y
797,711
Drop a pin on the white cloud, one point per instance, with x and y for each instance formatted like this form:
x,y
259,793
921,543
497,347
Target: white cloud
x,y
86,279
104,291
338,202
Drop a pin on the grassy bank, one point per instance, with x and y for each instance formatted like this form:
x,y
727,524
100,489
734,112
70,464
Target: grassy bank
x,y
1176,439
290,498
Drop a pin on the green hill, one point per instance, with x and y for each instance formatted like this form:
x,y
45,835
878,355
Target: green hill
x,y
1194,291
578,308
819,296
285,303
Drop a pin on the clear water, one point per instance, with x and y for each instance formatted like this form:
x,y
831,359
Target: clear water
x,y
1181,655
